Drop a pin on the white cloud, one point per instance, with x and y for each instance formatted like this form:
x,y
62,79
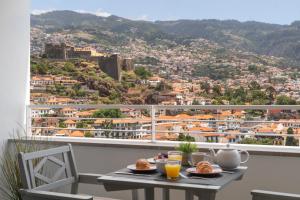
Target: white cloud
x,y
102,13
99,12
39,11
143,17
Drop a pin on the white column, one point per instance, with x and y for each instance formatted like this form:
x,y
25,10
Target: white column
x,y
14,65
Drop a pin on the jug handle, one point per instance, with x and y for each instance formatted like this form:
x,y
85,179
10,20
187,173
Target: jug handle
x,y
209,158
247,154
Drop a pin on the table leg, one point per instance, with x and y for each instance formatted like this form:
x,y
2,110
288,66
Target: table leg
x,y
166,194
206,195
135,195
149,193
189,195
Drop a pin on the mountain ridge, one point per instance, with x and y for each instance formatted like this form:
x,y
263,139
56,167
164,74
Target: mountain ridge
x,y
258,37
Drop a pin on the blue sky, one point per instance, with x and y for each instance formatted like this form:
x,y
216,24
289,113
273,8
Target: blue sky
x,y
271,11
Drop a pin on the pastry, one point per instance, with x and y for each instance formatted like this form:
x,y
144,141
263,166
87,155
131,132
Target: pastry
x,y
204,167
142,164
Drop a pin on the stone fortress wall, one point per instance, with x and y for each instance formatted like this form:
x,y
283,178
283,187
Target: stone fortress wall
x,y
112,64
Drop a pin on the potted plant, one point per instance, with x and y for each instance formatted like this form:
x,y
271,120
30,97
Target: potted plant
x,y
10,183
187,148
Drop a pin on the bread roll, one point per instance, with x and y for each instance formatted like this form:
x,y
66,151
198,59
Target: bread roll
x,y
204,167
142,164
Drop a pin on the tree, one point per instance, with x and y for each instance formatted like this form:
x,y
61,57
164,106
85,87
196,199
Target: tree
x,y
76,86
257,97
142,72
108,113
258,141
69,67
107,124
162,86
61,124
205,86
255,69
60,89
271,93
81,124
285,100
290,141
217,101
88,134
185,138
195,102
39,68
217,90
254,85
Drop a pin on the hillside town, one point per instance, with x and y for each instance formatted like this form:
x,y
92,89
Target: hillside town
x,y
202,73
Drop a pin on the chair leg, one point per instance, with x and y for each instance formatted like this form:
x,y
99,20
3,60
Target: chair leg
x,y
135,195
189,195
166,194
74,188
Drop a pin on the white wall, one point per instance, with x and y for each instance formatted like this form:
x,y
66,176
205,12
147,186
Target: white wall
x,y
14,64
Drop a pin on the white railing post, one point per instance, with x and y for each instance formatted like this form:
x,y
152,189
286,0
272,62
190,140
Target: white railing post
x,y
28,121
153,131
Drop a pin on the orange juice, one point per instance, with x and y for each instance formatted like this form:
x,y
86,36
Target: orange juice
x,y
175,157
172,170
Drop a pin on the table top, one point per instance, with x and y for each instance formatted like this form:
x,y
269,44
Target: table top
x,y
113,181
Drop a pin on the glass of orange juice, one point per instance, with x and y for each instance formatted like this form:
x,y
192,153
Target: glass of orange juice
x,y
175,155
173,169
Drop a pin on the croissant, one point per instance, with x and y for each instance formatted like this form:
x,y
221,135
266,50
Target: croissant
x,y
142,164
204,167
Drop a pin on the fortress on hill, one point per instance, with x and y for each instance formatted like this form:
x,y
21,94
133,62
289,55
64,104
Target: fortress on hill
x,y
111,64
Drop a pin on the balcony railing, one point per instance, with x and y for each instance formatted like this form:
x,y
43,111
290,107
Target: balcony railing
x,y
245,124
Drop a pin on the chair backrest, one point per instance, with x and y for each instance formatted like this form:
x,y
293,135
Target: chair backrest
x,y
33,164
268,195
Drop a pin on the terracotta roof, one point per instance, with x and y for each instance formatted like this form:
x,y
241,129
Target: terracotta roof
x,y
125,120
230,137
226,113
99,121
202,129
63,132
69,121
68,109
265,130
77,134
204,117
85,113
183,116
162,136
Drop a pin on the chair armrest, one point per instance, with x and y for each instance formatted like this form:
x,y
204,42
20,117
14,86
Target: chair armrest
x,y
37,195
269,195
89,178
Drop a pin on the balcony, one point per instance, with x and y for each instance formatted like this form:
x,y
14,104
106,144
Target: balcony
x,y
275,171
271,167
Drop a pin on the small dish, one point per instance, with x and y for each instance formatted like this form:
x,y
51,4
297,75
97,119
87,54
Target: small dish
x,y
161,165
151,160
135,170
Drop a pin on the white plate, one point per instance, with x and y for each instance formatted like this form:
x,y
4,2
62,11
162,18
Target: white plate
x,y
216,170
134,169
